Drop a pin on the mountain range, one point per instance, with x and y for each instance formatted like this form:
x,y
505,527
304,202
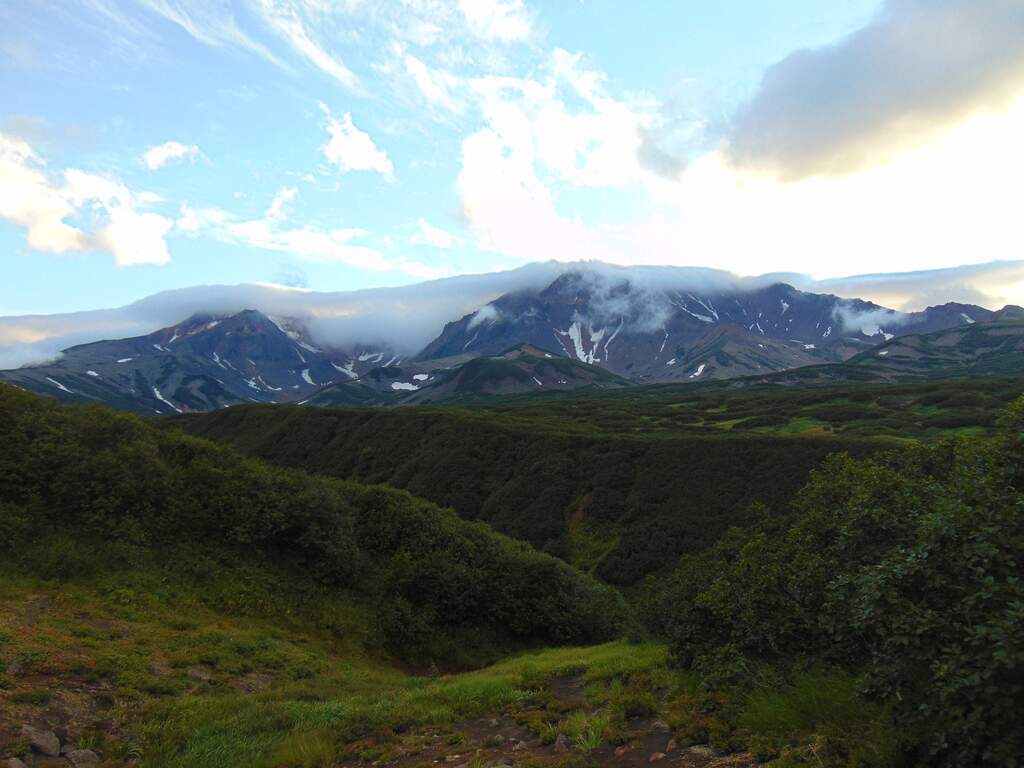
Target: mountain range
x,y
584,329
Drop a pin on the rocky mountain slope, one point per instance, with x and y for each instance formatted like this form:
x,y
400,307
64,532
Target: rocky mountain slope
x,y
519,370
204,363
653,335
585,329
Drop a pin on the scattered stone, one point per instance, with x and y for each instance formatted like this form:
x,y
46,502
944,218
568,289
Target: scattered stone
x,y
620,751
672,746
452,758
83,757
562,743
497,739
702,749
493,723
656,757
199,674
520,746
45,742
660,725
13,762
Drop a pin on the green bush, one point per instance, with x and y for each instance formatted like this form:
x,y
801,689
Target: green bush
x,y
90,491
907,566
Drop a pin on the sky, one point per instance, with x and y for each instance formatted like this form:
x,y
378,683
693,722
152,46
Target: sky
x,y
335,145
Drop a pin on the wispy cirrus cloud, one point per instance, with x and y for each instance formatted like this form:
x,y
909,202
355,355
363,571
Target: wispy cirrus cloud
x,y
274,231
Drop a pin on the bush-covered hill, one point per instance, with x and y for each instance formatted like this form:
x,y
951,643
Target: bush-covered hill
x,y
626,505
86,491
906,567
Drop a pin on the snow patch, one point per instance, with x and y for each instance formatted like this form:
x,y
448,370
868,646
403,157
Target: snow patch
x,y
421,376
162,399
671,362
883,353
306,377
967,318
785,306
347,370
539,383
59,386
126,359
408,386
699,371
93,373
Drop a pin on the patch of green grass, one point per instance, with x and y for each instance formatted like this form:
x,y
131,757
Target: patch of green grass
x,y
360,699
819,719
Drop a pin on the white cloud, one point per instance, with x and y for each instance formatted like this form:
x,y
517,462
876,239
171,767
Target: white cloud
x,y
276,210
157,157
919,67
29,198
270,232
540,137
433,236
502,20
436,86
351,149
211,22
286,19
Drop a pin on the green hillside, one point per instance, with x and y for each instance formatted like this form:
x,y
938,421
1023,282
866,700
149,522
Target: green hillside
x,y
626,506
623,482
90,491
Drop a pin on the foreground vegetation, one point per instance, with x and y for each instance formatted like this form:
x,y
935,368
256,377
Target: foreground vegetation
x,y
135,667
86,491
165,599
906,567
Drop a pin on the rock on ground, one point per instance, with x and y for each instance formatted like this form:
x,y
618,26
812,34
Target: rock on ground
x,y
45,742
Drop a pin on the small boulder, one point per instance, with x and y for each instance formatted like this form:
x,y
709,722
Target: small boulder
x,y
660,725
672,745
702,749
562,743
621,751
656,757
44,742
81,758
520,746
13,762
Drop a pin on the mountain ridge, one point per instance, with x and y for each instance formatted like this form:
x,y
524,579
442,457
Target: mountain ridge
x,y
599,329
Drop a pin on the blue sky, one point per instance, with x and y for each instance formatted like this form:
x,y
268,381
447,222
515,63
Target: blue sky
x,y
338,145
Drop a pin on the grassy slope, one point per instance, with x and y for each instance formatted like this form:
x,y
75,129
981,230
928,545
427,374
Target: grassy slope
x,y
136,668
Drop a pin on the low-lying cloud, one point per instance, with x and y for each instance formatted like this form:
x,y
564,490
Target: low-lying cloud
x,y
407,318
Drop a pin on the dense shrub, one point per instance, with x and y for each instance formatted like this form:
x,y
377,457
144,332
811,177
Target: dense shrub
x,y
670,496
907,566
75,483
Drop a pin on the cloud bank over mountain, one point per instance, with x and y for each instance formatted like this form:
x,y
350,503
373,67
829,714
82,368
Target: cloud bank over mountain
x,y
406,318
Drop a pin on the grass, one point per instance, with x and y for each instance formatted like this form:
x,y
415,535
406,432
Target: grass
x,y
166,678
